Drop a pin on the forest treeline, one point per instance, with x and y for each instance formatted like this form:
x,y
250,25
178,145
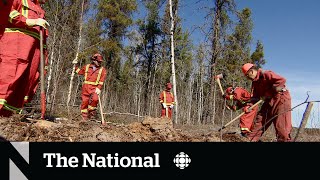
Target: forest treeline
x,y
136,50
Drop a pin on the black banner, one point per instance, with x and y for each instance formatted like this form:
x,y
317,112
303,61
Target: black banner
x,y
144,160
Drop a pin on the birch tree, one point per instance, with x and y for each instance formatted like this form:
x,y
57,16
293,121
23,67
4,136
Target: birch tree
x,y
172,64
77,54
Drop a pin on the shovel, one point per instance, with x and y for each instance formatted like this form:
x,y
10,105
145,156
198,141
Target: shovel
x,y
256,104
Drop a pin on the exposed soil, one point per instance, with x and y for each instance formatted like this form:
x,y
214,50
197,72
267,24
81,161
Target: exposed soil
x,y
124,129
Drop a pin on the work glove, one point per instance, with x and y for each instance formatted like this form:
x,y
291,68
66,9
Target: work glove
x,y
279,89
231,108
246,109
227,97
37,22
75,61
234,108
164,105
171,106
98,91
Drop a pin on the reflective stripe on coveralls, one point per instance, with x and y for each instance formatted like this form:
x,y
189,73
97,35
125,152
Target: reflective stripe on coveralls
x,y
23,31
165,98
84,110
90,108
242,102
13,14
245,129
25,8
10,108
90,82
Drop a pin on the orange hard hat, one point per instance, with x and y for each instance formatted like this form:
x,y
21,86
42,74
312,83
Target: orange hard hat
x,y
97,57
229,90
169,85
246,67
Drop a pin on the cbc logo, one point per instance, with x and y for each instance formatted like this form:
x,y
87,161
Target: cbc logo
x,y
182,160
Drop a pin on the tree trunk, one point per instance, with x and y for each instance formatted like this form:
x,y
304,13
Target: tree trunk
x,y
51,58
76,58
190,105
56,78
173,65
200,101
151,103
215,55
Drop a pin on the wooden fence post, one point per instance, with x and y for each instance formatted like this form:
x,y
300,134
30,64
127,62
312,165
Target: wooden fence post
x,y
304,121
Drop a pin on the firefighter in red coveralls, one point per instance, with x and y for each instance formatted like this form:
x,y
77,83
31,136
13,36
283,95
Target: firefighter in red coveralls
x,y
276,108
167,101
20,53
242,100
94,76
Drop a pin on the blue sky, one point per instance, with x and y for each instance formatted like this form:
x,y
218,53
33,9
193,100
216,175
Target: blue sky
x,y
290,33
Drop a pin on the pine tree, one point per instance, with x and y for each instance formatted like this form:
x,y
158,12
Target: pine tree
x,y
257,56
219,26
238,49
150,31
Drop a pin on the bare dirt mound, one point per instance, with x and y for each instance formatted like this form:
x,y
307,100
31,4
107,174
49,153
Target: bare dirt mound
x,y
149,130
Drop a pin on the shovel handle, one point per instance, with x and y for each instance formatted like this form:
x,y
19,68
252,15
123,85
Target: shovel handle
x,y
42,88
167,115
219,83
101,111
256,104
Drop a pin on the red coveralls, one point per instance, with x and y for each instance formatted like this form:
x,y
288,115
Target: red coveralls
x,y
167,98
276,103
19,55
242,100
93,78
34,85
5,8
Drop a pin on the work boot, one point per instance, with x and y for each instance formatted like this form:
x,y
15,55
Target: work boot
x,y
94,115
84,119
242,136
